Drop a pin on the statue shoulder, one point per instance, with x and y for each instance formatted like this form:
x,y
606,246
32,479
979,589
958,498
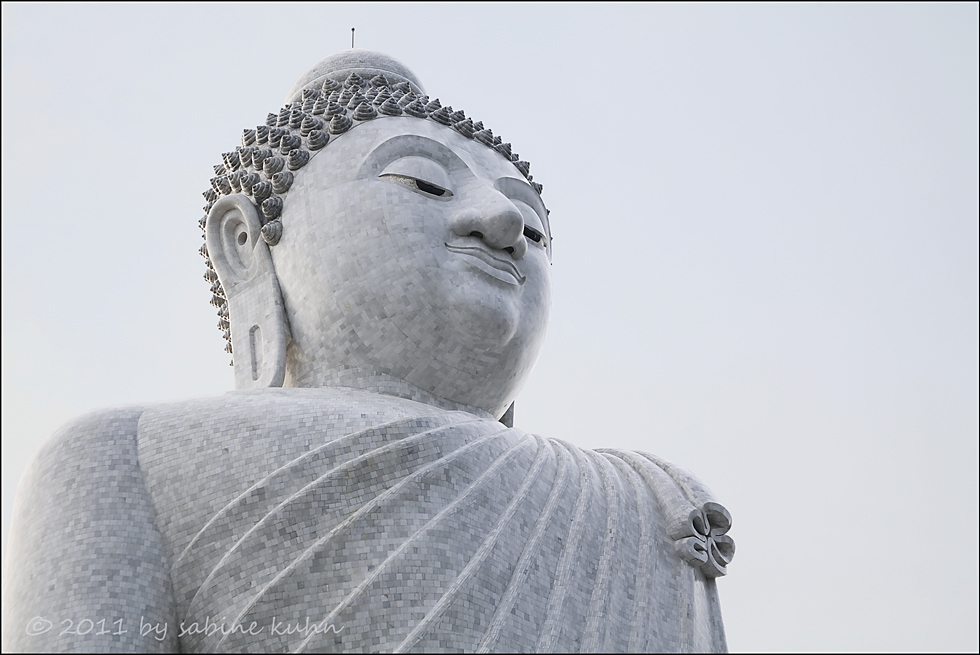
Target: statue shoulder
x,y
82,517
696,521
251,417
102,431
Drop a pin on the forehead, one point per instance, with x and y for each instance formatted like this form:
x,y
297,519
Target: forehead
x,y
367,148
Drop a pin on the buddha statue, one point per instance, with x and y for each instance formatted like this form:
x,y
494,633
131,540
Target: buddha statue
x,y
380,264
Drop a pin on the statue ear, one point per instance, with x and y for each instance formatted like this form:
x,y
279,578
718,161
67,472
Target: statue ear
x,y
242,260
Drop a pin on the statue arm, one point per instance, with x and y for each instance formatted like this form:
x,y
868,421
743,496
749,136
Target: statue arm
x,y
86,569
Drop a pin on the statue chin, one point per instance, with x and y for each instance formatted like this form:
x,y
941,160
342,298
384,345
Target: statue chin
x,y
487,328
477,358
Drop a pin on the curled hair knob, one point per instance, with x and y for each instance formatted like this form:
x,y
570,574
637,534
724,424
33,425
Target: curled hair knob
x,y
281,181
272,208
317,139
272,232
297,159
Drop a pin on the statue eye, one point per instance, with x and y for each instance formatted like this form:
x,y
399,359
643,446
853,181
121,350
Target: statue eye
x,y
415,184
533,229
433,189
420,174
533,234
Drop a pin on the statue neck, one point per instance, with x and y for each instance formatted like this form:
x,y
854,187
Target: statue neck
x,y
364,379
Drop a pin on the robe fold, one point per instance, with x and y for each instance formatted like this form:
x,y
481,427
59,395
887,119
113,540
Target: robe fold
x,y
331,520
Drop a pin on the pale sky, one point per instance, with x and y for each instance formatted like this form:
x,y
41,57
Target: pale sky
x,y
766,255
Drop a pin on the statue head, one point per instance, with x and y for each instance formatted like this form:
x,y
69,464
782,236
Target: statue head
x,y
368,236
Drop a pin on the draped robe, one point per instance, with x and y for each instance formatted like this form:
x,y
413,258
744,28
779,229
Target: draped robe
x,y
329,520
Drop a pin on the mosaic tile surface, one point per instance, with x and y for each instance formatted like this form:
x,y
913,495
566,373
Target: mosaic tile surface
x,y
363,489
404,527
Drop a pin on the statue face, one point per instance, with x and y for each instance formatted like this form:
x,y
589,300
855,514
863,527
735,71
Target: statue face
x,y
413,252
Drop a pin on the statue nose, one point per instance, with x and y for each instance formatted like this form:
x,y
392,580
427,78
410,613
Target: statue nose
x,y
494,219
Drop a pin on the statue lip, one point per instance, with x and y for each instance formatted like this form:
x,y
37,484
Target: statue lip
x,y
497,267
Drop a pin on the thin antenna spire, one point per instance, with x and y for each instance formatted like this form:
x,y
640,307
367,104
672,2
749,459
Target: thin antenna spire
x,y
352,37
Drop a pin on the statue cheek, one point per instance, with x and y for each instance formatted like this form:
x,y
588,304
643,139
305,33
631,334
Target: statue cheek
x,y
405,211
414,230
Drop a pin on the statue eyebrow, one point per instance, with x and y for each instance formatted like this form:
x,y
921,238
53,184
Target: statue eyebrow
x,y
510,182
520,190
410,145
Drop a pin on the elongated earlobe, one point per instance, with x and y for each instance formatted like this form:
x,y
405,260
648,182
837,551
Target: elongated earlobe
x,y
242,260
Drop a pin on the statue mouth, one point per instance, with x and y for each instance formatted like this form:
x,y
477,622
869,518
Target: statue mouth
x,y
497,267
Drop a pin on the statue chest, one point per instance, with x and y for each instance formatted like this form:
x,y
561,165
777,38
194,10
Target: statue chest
x,y
411,532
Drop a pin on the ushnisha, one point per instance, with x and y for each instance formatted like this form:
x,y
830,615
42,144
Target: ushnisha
x,y
385,283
